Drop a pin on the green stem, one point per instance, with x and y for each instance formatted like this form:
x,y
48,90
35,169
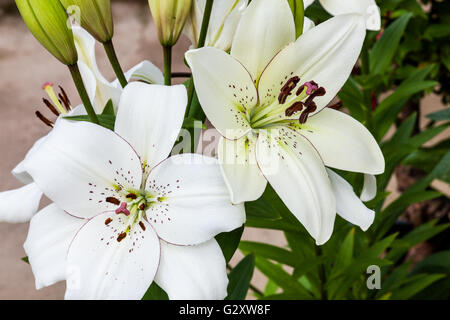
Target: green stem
x,y
78,80
112,56
201,43
167,65
205,23
322,275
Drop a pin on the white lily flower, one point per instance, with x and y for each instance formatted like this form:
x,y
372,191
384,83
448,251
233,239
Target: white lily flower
x,y
225,16
367,8
100,92
256,98
128,213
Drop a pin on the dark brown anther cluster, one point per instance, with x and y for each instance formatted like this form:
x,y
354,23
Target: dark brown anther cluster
x,y
312,90
286,90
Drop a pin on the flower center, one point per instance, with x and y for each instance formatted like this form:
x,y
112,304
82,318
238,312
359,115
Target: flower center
x,y
282,110
133,207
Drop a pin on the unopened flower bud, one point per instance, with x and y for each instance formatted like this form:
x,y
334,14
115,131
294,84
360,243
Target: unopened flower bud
x,y
47,21
95,17
170,17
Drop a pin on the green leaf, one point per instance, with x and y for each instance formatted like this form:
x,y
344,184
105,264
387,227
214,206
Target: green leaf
x,y
155,293
271,288
298,11
418,235
341,280
385,219
190,123
383,51
413,287
240,277
25,259
283,279
436,263
388,109
109,108
229,242
269,252
440,115
387,112
106,120
345,254
267,207
353,99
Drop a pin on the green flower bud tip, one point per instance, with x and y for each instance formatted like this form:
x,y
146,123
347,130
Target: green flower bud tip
x,y
47,21
94,15
170,17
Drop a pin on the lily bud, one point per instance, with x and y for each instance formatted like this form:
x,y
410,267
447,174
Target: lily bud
x,y
47,21
95,17
170,17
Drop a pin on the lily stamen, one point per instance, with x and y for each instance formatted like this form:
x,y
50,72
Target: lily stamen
x,y
44,119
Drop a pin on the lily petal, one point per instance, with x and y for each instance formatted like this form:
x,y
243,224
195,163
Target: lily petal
x,y
19,205
196,205
367,8
99,266
150,118
240,170
308,24
369,190
348,205
325,54
296,172
19,171
96,162
144,71
193,272
265,28
225,16
225,90
307,3
336,135
99,89
50,234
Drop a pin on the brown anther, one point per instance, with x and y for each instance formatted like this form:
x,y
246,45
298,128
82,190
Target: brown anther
x,y
286,90
296,107
51,107
44,119
141,224
113,200
142,207
318,93
65,98
290,84
121,236
309,109
131,196
108,221
282,97
303,117
336,106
